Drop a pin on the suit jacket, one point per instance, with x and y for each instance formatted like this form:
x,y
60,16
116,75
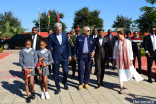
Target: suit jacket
x,y
112,42
147,44
101,50
59,49
72,42
37,42
79,43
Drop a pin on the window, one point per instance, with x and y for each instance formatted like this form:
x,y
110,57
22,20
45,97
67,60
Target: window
x,y
15,37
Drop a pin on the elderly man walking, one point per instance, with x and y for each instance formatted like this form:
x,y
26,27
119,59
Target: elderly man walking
x,y
84,52
60,53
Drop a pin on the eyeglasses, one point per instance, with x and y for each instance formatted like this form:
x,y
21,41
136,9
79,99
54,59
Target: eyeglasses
x,y
88,30
59,30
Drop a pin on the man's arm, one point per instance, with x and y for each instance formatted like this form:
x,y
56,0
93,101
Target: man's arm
x,y
145,44
68,45
75,47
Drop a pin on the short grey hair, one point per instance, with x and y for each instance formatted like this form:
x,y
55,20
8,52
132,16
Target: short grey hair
x,y
84,28
57,25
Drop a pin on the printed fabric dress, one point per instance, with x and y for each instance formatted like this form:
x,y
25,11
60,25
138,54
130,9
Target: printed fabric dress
x,y
125,73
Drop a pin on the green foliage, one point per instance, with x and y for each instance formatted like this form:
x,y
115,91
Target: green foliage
x,y
143,53
142,36
1,49
8,31
150,1
148,18
44,20
122,22
9,16
85,17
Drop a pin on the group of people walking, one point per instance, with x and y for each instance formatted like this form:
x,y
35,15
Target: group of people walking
x,y
60,48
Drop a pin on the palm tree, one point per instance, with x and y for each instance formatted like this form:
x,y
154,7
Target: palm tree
x,y
7,31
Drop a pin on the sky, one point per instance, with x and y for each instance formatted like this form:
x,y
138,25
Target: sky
x,y
27,10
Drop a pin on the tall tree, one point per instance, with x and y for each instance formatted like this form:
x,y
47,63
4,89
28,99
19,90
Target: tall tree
x,y
86,17
44,20
9,16
148,18
122,22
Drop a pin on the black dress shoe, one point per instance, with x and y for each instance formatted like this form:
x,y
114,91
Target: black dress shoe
x,y
113,68
140,72
66,87
95,73
99,85
28,100
32,95
150,81
102,84
57,91
73,75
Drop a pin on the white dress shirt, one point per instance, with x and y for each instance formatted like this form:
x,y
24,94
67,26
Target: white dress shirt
x,y
43,51
94,36
59,38
153,43
27,50
101,41
34,38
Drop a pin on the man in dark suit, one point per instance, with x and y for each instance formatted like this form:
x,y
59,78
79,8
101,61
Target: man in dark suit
x,y
101,45
35,45
149,44
60,53
111,45
84,51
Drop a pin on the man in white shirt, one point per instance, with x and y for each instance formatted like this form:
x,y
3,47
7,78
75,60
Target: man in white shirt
x,y
149,44
35,45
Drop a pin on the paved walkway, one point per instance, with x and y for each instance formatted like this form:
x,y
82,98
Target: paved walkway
x,y
12,90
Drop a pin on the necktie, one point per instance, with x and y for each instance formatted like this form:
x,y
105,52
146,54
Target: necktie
x,y
153,43
110,38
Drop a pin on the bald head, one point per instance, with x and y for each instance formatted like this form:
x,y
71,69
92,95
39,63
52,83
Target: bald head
x,y
72,32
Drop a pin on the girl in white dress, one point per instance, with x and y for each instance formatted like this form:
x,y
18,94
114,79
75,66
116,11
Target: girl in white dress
x,y
123,56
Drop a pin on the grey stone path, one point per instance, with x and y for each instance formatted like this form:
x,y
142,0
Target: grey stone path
x,y
12,90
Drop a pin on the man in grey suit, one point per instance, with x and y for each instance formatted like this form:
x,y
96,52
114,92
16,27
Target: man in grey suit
x,y
101,44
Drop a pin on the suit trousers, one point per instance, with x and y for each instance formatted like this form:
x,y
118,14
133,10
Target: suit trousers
x,y
85,59
56,66
73,65
100,64
138,55
150,62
